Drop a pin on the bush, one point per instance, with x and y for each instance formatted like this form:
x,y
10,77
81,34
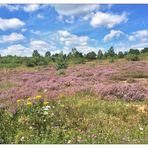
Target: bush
x,y
91,55
111,60
61,63
61,72
132,57
79,61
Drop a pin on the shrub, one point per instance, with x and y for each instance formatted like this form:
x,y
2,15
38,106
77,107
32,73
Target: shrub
x,y
91,55
61,72
132,57
111,60
120,54
61,63
79,61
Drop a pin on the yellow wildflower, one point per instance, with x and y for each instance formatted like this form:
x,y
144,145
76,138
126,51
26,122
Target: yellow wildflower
x,y
46,103
18,101
29,103
29,99
38,97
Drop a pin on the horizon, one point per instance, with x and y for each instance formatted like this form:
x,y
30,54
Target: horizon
x,y
56,28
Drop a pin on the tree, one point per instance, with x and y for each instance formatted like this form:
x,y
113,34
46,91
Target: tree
x,y
120,54
35,54
134,51
75,54
91,55
111,52
125,53
47,54
144,50
100,54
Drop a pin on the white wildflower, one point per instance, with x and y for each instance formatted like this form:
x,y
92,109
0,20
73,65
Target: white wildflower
x,y
141,129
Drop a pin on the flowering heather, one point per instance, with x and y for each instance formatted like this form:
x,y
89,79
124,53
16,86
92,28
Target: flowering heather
x,y
106,80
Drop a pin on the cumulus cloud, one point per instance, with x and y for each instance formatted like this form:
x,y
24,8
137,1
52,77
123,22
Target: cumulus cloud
x,y
68,41
18,50
12,23
11,7
109,20
112,34
75,9
61,40
31,7
26,8
13,37
21,50
141,35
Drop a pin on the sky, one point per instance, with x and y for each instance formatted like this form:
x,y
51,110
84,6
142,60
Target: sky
x,y
61,27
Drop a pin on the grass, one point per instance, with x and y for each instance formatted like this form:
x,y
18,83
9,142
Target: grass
x,y
81,118
6,86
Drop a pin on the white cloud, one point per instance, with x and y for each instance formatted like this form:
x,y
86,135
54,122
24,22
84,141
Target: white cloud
x,y
23,29
39,16
75,9
38,43
36,32
18,50
112,34
13,37
21,50
12,23
141,35
11,7
109,20
68,39
31,7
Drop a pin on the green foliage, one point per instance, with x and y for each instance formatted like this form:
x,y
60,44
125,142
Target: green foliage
x,y
61,63
111,52
35,54
120,54
79,119
91,55
132,57
112,60
145,50
61,72
134,51
100,54
47,54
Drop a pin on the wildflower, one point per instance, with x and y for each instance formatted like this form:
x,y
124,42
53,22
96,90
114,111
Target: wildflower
x,y
46,108
46,103
69,141
18,101
141,129
29,99
45,113
22,138
38,97
29,103
30,127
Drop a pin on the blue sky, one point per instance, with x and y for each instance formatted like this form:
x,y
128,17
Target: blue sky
x,y
55,28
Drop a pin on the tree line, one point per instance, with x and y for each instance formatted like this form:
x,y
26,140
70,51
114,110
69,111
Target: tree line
x,y
61,60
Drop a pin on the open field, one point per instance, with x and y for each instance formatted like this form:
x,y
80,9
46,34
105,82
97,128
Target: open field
x,y
96,102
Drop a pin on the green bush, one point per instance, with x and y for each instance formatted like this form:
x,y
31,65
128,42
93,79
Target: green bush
x,y
61,63
79,61
132,57
111,60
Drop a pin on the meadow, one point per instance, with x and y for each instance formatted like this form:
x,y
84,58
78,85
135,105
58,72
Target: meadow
x,y
96,102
